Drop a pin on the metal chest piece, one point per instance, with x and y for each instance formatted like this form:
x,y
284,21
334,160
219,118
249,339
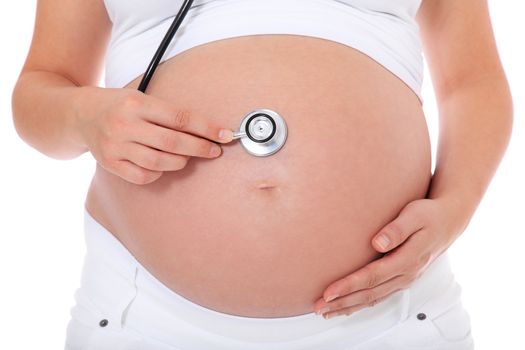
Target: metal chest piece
x,y
262,132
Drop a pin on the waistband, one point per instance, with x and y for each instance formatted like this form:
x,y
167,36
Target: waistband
x,y
165,315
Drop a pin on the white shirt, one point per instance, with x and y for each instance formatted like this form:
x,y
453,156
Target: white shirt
x,y
385,30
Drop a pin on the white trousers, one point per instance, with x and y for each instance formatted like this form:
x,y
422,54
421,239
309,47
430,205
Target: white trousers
x,y
121,306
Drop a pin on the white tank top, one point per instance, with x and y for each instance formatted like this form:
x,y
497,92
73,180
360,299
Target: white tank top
x,y
385,30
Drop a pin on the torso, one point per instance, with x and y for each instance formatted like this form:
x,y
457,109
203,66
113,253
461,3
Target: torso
x,y
263,237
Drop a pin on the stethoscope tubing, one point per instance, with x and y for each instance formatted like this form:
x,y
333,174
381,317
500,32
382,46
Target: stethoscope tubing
x,y
168,37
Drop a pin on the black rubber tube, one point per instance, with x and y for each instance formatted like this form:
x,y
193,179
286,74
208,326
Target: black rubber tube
x,y
164,45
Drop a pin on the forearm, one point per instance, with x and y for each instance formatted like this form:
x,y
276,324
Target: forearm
x,y
474,131
45,111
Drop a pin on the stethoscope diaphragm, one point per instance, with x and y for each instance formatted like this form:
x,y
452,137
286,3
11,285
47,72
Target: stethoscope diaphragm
x,y
262,132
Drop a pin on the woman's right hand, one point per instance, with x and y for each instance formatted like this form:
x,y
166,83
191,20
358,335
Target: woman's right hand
x,y
137,136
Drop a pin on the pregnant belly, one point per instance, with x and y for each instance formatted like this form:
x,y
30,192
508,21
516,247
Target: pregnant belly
x,y
263,237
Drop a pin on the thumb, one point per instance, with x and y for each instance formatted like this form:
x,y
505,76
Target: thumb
x,y
397,231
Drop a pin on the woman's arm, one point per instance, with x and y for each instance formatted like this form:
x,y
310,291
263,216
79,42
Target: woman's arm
x,y
475,113
67,50
473,98
59,110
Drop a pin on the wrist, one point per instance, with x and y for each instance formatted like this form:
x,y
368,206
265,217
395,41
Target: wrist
x,y
459,199
85,99
458,211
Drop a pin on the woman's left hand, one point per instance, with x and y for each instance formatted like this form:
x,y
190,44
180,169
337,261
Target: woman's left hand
x,y
421,232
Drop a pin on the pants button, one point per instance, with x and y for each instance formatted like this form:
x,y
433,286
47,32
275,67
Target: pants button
x,y
421,316
103,323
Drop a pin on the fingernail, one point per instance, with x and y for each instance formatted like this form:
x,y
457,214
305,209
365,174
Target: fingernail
x,y
328,316
323,310
383,241
225,135
215,150
331,297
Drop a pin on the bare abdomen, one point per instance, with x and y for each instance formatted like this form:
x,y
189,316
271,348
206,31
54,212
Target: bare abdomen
x,y
263,237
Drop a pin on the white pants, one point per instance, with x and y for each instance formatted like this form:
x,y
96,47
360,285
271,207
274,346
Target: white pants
x,y
121,306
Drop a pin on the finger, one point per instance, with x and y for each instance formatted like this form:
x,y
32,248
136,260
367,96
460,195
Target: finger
x,y
175,142
165,114
366,296
408,258
397,231
348,311
134,173
369,276
152,159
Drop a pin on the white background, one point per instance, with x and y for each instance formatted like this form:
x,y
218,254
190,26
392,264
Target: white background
x,y
41,208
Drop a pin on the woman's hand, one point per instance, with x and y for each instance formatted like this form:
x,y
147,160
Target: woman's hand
x,y
138,137
420,233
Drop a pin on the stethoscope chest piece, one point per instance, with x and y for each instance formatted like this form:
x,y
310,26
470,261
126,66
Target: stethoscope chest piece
x,y
262,132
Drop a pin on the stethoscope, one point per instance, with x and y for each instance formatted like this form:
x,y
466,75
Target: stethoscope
x,y
262,132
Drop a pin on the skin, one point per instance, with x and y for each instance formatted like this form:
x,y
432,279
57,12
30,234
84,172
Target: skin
x,y
475,121
69,78
475,111
306,221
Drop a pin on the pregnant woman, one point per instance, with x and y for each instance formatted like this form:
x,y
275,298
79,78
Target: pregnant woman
x,y
336,241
